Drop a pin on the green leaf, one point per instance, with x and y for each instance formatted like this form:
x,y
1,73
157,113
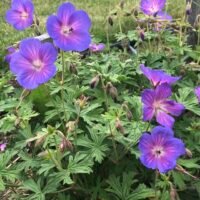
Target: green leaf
x,y
95,146
192,163
188,99
142,192
80,163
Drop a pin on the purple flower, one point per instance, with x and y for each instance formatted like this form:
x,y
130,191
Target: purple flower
x,y
20,16
197,92
142,35
156,103
161,149
11,51
96,47
157,77
152,7
162,19
69,28
3,146
33,64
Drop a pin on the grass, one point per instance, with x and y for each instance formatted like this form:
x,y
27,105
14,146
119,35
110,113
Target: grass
x,y
99,10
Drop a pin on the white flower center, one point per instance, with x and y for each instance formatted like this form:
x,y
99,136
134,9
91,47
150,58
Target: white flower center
x,y
158,151
24,15
65,30
37,64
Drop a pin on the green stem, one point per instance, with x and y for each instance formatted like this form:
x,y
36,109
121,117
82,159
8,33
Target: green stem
x,y
149,43
156,178
57,151
54,160
148,126
110,128
21,98
62,83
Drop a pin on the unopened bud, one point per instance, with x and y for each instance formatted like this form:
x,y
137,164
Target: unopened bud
x,y
188,153
37,21
119,126
121,5
40,140
44,154
134,12
71,125
73,69
65,145
94,82
142,36
110,20
17,121
188,8
82,101
112,91
129,115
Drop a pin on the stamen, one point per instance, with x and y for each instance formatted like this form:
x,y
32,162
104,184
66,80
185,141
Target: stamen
x,y
37,64
158,151
24,15
65,30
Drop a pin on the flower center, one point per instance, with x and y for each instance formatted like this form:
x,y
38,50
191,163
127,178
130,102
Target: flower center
x,y
37,64
65,30
158,151
24,15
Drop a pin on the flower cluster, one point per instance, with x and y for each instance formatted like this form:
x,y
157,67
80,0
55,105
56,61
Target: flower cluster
x,y
160,149
156,102
33,63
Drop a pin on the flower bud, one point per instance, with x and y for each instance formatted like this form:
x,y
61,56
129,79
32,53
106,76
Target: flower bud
x,y
73,69
3,146
17,121
119,126
40,140
188,9
121,5
65,145
37,22
71,125
82,101
188,153
142,36
129,115
134,12
112,91
110,20
94,82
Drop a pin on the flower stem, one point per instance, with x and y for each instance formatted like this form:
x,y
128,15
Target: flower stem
x,y
62,83
110,128
22,96
156,178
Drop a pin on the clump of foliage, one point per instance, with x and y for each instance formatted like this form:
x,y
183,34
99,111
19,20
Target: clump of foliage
x,y
76,136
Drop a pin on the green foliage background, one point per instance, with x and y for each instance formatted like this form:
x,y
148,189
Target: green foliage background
x,y
100,129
